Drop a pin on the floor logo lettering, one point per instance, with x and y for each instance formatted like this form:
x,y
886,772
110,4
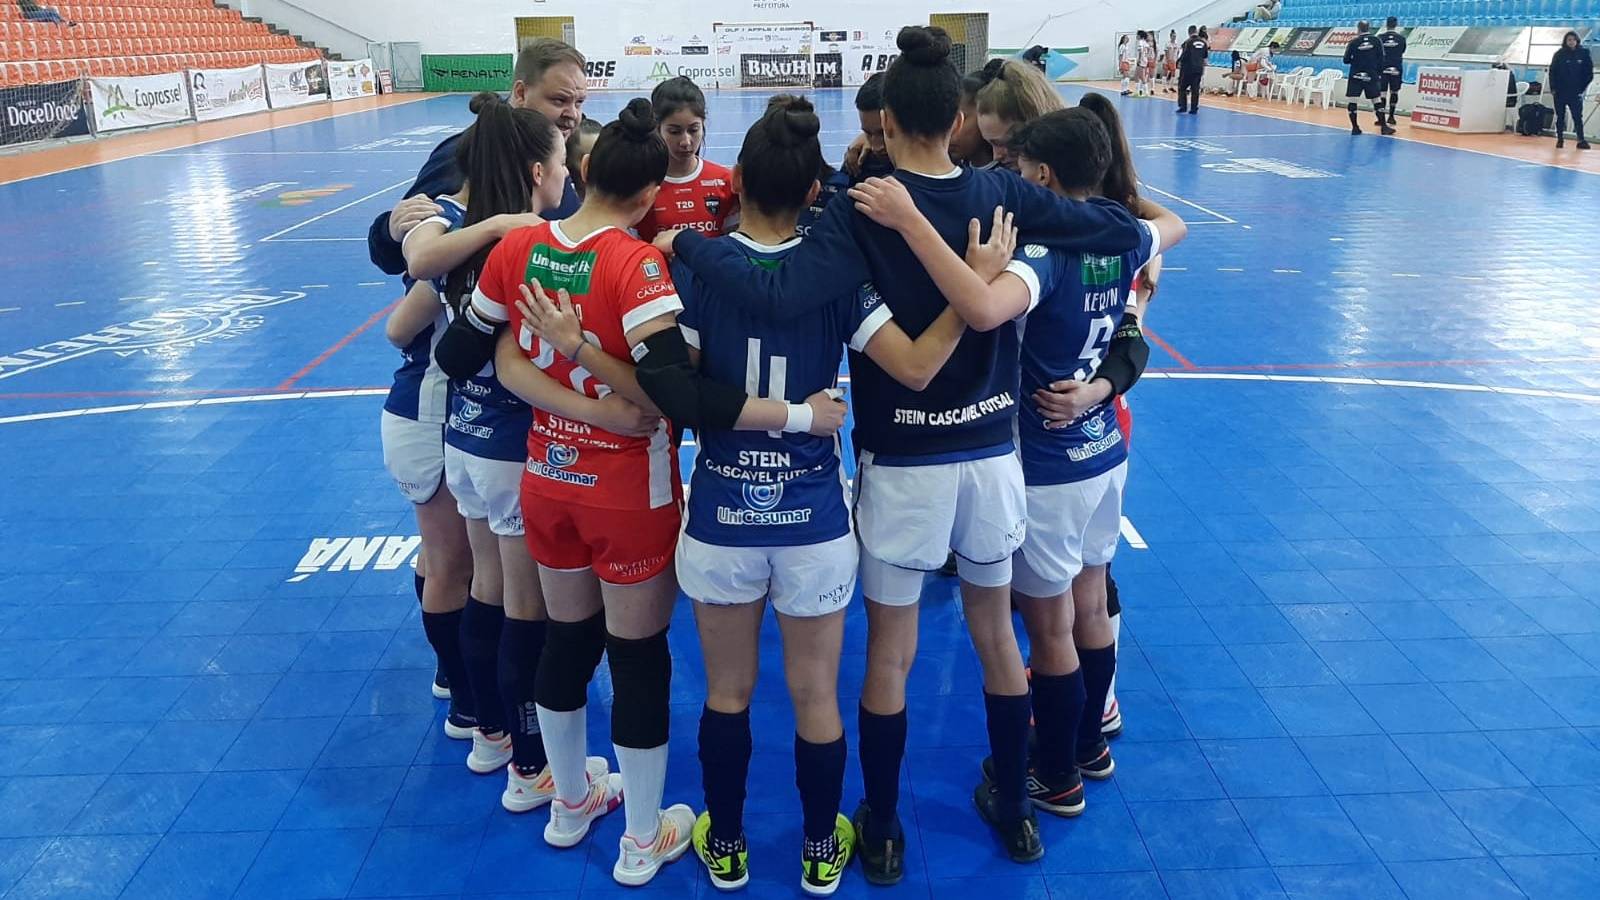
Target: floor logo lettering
x,y
382,553
180,328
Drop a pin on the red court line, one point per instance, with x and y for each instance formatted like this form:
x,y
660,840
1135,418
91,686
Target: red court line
x,y
1170,350
337,346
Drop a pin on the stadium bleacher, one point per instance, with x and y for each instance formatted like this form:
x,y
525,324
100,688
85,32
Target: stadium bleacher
x,y
135,37
1443,12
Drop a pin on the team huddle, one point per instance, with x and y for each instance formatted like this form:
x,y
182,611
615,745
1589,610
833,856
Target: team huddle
x,y
578,296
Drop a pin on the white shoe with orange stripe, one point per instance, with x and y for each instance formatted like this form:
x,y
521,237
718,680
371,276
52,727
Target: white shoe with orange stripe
x,y
526,793
636,864
569,824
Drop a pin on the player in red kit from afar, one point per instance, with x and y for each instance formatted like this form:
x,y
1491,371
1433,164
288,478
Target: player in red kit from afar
x,y
697,194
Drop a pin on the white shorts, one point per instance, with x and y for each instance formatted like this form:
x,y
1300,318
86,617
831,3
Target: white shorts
x,y
486,489
413,452
1069,526
910,517
803,581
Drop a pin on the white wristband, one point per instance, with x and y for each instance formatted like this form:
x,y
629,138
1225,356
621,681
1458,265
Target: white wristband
x,y
800,418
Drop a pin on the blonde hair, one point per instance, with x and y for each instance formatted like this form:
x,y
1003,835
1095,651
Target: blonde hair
x,y
1018,94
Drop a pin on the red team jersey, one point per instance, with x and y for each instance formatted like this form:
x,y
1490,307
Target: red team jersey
x,y
703,201
617,283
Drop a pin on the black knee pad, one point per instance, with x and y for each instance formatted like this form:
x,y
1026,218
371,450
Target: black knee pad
x,y
571,652
641,677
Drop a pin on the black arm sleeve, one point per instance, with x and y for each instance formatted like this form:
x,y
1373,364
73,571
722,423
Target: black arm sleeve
x,y
1126,356
678,389
466,346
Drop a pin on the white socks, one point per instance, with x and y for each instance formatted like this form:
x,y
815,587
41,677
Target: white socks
x,y
644,780
565,743
1116,639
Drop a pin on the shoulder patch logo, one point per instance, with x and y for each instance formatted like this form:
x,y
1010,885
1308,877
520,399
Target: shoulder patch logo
x,y
1035,251
651,270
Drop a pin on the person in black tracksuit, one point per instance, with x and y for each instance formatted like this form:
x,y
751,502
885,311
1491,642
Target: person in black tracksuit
x,y
1191,68
1393,41
1571,71
1364,56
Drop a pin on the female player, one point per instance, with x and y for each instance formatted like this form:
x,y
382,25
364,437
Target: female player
x,y
1169,62
966,142
1127,60
768,517
1145,63
1074,470
937,469
514,161
1015,94
1121,184
413,453
579,145
608,498
697,193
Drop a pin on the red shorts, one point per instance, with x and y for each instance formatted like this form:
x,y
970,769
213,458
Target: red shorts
x,y
621,546
1125,421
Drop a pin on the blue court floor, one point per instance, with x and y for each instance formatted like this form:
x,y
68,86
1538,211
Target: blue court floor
x,y
1362,577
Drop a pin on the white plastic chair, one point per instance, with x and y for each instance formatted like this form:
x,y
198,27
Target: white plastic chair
x,y
1287,84
1323,85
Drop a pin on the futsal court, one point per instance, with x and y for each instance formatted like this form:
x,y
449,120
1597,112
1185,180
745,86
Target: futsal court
x,y
1360,569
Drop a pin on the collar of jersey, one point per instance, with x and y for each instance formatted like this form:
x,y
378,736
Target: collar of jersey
x,y
759,247
949,177
562,239
699,168
446,198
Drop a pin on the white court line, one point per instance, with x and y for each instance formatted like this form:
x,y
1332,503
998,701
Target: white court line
x,y
319,240
402,183
283,153
1132,535
1221,219
1540,393
71,303
1211,138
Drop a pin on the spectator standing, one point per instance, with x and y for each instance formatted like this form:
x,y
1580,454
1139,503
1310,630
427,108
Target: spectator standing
x,y
1191,68
1571,71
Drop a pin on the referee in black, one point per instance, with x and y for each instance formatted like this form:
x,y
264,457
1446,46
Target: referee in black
x,y
1191,68
1364,56
1394,62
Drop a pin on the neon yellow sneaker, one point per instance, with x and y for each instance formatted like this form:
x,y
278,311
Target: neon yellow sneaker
x,y
727,864
822,863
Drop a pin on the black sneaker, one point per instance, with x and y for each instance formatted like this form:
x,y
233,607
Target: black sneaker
x,y
1181,110
1355,129
1095,762
441,685
458,726
1387,130
1020,837
883,862
1583,145
1059,795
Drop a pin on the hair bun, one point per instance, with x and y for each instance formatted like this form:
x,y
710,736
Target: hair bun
x,y
923,45
994,68
638,119
483,100
796,122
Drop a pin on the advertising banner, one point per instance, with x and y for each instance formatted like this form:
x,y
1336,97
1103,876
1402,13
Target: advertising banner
x,y
1433,41
1223,39
1303,41
466,72
1249,39
139,101
1485,44
774,70
1469,101
762,37
220,93
616,72
1336,40
296,84
42,111
353,78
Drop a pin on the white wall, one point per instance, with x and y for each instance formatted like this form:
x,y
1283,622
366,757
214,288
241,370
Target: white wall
x,y
605,26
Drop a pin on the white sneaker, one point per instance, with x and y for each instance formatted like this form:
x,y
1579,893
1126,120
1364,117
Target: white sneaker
x,y
636,865
458,727
570,824
523,794
488,754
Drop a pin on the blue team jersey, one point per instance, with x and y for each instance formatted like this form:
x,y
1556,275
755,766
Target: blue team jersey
x,y
485,419
1081,298
421,390
967,411
767,489
832,187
